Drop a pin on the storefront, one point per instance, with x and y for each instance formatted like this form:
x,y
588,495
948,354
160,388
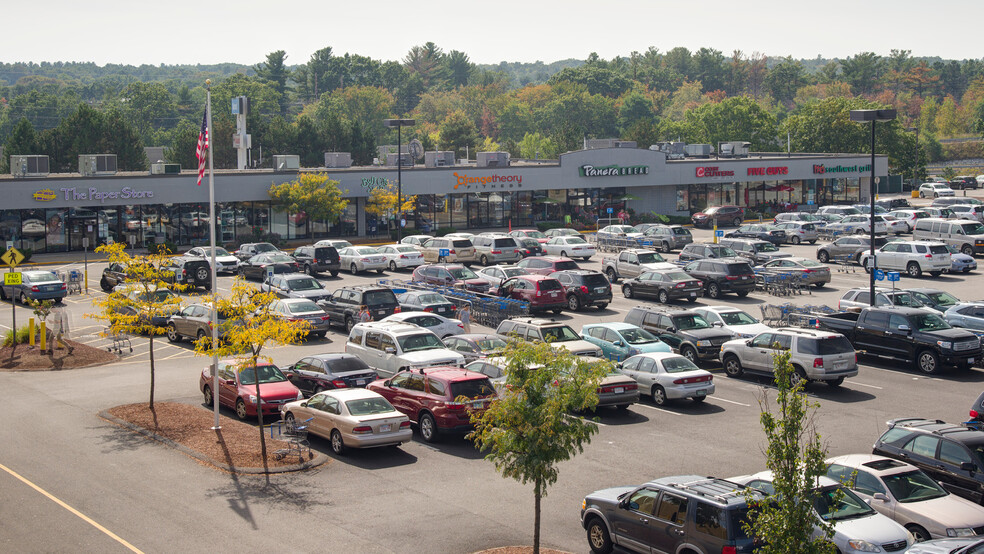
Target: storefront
x,y
65,212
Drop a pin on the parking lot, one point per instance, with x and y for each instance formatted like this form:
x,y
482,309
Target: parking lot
x,y
423,497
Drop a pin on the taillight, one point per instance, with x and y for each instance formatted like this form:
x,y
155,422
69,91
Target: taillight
x,y
364,260
455,406
729,550
35,288
929,255
538,292
396,310
689,380
496,251
404,257
680,285
405,425
584,289
339,384
64,286
362,430
730,277
428,309
817,362
325,317
184,271
450,251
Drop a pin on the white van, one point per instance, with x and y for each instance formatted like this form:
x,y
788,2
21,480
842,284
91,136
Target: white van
x,y
963,234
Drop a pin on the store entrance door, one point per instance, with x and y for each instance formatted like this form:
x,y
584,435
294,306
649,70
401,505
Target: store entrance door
x,y
80,229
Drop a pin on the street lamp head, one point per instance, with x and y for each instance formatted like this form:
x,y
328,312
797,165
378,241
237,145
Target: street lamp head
x,y
391,123
862,116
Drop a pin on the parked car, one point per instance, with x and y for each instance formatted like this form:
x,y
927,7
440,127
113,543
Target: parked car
x,y
723,275
425,301
739,323
449,249
559,335
667,238
700,251
619,341
973,212
250,249
317,259
664,285
755,251
258,266
585,288
440,400
632,262
847,249
618,231
35,285
861,225
391,347
450,275
194,322
947,202
350,418
545,265
842,211
912,257
798,232
475,346
321,372
560,232
305,310
940,213
530,247
910,217
113,275
719,215
967,545
667,376
541,292
808,271
189,272
965,235
686,332
950,454
681,512
934,190
496,274
224,261
337,244
137,298
569,247
966,315
295,285
238,384
343,304
936,299
960,262
417,240
534,234
765,232
496,249
401,256
362,258
963,182
805,217
440,325
908,496
815,355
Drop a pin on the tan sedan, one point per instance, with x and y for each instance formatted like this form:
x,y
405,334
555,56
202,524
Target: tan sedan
x,y
350,418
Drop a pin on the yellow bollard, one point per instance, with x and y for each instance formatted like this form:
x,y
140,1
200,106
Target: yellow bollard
x,y
30,331
44,337
715,232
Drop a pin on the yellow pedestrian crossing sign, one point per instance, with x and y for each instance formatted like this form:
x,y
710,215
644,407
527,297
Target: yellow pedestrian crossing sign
x,y
12,278
12,257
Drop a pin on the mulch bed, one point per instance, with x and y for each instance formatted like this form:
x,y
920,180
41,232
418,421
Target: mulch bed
x,y
236,445
30,358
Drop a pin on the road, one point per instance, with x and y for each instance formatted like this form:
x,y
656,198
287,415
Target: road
x,y
420,498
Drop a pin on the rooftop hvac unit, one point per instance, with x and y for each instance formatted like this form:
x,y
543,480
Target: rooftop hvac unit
x,y
29,166
406,159
165,169
97,164
492,159
286,162
441,158
625,144
338,159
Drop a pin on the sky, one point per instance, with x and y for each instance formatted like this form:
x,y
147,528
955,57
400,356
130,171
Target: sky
x,y
245,31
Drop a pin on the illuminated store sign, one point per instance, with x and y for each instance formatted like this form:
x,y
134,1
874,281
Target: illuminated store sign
x,y
763,171
91,193
714,172
372,183
613,170
821,169
487,181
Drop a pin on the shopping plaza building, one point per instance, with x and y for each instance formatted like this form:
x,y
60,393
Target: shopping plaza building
x,y
60,212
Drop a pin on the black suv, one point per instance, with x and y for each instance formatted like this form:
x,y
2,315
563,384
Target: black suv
x,y
318,259
963,182
191,272
951,454
700,251
685,331
343,304
329,371
113,275
585,288
723,275
756,251
671,514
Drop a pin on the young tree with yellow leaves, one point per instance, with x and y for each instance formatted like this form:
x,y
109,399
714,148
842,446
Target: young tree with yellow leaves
x,y
253,326
382,202
143,304
313,194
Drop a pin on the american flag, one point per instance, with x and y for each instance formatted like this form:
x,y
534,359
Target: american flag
x,y
201,151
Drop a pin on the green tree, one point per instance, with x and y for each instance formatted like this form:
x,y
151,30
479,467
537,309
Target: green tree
x,y
787,523
147,107
425,61
22,141
458,68
537,146
275,72
863,72
978,122
710,69
314,194
634,107
784,79
529,429
596,79
735,118
457,132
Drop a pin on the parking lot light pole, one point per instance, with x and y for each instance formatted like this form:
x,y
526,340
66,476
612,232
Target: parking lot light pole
x,y
399,124
873,116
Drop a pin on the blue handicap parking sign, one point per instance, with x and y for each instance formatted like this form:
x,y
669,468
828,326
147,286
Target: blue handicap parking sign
x,y
444,252
893,275
610,210
879,275
718,233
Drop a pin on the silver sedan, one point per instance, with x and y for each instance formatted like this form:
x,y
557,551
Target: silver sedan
x,y
401,256
496,274
437,324
667,376
350,418
810,271
361,258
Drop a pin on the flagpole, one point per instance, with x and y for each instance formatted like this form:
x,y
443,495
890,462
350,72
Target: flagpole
x,y
211,237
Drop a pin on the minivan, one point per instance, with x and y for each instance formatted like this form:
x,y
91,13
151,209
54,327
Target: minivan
x,y
448,249
491,250
963,234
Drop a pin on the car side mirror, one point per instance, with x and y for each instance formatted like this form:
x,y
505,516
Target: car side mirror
x,y
748,342
968,466
618,343
304,404
904,328
671,329
880,496
717,324
230,381
390,350
386,383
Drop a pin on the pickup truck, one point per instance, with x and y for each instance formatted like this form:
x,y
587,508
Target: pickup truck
x,y
632,262
914,335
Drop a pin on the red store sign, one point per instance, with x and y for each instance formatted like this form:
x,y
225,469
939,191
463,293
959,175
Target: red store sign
x,y
714,172
763,171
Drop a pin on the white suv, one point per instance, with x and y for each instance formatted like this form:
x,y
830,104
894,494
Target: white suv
x,y
913,257
557,334
390,347
815,355
935,190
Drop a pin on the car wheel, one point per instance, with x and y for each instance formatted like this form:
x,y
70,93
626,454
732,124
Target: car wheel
x,y
921,195
563,253
698,399
736,222
938,273
936,195
105,286
836,382
485,260
797,377
795,240
967,250
659,395
241,409
732,366
819,285
665,246
380,271
713,290
612,276
307,269
859,231
23,299
598,538
823,256
3,294
172,333
913,269
664,297
289,421
201,336
574,303
602,306
742,293
337,445
392,266
692,299
241,273
320,334
689,353
627,291
928,362
349,323
207,393
428,429
558,311
918,533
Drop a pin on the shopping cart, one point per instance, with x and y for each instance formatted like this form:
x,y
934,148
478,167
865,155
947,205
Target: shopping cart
x,y
295,434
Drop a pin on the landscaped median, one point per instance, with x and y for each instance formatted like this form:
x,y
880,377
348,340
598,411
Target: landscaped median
x,y
188,428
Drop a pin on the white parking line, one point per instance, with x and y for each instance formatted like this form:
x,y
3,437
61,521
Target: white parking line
x,y
716,397
865,385
657,409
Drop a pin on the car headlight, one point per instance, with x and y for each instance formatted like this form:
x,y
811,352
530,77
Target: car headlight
x,y
703,343
252,399
300,395
961,532
944,344
863,546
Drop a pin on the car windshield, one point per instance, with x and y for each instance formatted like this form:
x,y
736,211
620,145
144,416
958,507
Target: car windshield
x,y
303,307
809,217
678,364
462,273
408,249
514,271
423,341
680,231
576,240
491,343
432,298
369,406
264,247
638,336
839,503
809,263
828,346
366,251
929,322
942,298
768,247
723,252
277,258
219,251
160,295
906,299
913,486
678,276
265,373
737,318
42,277
972,228
561,266
560,333
536,235
650,258
472,388
304,284
688,322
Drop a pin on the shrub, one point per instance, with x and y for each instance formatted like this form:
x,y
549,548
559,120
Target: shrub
x,y
23,335
27,252
547,225
444,231
169,246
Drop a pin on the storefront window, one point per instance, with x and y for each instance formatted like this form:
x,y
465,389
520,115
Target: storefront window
x,y
10,228
55,231
442,211
522,208
682,201
348,223
459,211
279,222
33,230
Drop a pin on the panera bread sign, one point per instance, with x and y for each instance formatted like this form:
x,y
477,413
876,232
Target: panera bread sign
x,y
613,170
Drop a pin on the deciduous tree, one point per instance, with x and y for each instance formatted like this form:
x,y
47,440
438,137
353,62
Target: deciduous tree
x,y
313,194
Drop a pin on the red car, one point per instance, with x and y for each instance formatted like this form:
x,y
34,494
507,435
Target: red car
x,y
542,292
529,234
725,215
237,388
438,399
545,265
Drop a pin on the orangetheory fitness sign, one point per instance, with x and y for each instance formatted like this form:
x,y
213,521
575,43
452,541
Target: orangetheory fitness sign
x,y
487,181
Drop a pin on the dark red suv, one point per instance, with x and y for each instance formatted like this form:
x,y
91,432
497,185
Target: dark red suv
x,y
545,265
725,215
438,399
542,292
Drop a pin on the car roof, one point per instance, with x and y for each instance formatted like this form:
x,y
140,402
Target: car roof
x,y
657,355
938,427
822,480
878,465
615,325
355,393
450,373
333,356
712,489
720,309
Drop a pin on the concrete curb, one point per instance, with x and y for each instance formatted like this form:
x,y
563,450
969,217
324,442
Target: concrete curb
x,y
318,459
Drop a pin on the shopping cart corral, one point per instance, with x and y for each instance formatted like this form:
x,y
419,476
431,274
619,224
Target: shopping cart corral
x,y
789,314
485,309
781,283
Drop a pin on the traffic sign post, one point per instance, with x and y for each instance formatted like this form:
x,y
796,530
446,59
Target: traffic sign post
x,y
879,275
13,258
894,277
